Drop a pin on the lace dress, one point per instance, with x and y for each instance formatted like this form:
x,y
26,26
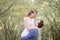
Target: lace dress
x,y
28,22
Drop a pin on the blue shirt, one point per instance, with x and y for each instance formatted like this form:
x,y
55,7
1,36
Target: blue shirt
x,y
33,35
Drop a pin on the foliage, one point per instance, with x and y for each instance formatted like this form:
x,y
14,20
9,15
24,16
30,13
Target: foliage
x,y
13,11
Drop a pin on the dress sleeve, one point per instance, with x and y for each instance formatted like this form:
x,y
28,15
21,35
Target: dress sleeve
x,y
26,22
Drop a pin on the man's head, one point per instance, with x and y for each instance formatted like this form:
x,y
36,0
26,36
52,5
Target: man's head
x,y
40,24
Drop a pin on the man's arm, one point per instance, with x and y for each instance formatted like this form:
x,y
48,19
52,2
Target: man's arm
x,y
33,33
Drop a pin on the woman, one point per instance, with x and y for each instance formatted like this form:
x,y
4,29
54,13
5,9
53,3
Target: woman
x,y
29,24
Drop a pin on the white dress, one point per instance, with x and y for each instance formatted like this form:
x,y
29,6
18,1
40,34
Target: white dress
x,y
30,24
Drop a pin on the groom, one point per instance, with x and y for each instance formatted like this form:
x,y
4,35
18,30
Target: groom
x,y
33,33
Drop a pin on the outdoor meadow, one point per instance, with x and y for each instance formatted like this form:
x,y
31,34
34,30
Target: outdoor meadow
x,y
12,13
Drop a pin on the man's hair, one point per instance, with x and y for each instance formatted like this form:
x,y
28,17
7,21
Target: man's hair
x,y
40,24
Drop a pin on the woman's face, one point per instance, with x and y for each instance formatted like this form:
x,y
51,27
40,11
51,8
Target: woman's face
x,y
33,15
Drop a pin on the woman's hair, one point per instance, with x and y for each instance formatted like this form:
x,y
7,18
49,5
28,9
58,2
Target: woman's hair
x,y
32,12
40,24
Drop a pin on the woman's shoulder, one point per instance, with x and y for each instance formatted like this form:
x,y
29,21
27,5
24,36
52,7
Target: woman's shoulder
x,y
26,18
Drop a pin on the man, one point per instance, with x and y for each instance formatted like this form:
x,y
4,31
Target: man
x,y
33,33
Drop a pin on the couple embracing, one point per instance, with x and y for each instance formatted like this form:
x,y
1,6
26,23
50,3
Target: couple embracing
x,y
31,29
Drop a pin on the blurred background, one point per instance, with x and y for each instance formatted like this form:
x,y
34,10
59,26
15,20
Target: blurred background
x,y
12,13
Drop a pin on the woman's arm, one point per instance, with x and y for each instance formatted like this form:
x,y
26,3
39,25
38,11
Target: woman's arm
x,y
27,24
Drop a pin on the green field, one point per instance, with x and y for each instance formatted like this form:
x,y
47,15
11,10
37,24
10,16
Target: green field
x,y
12,13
